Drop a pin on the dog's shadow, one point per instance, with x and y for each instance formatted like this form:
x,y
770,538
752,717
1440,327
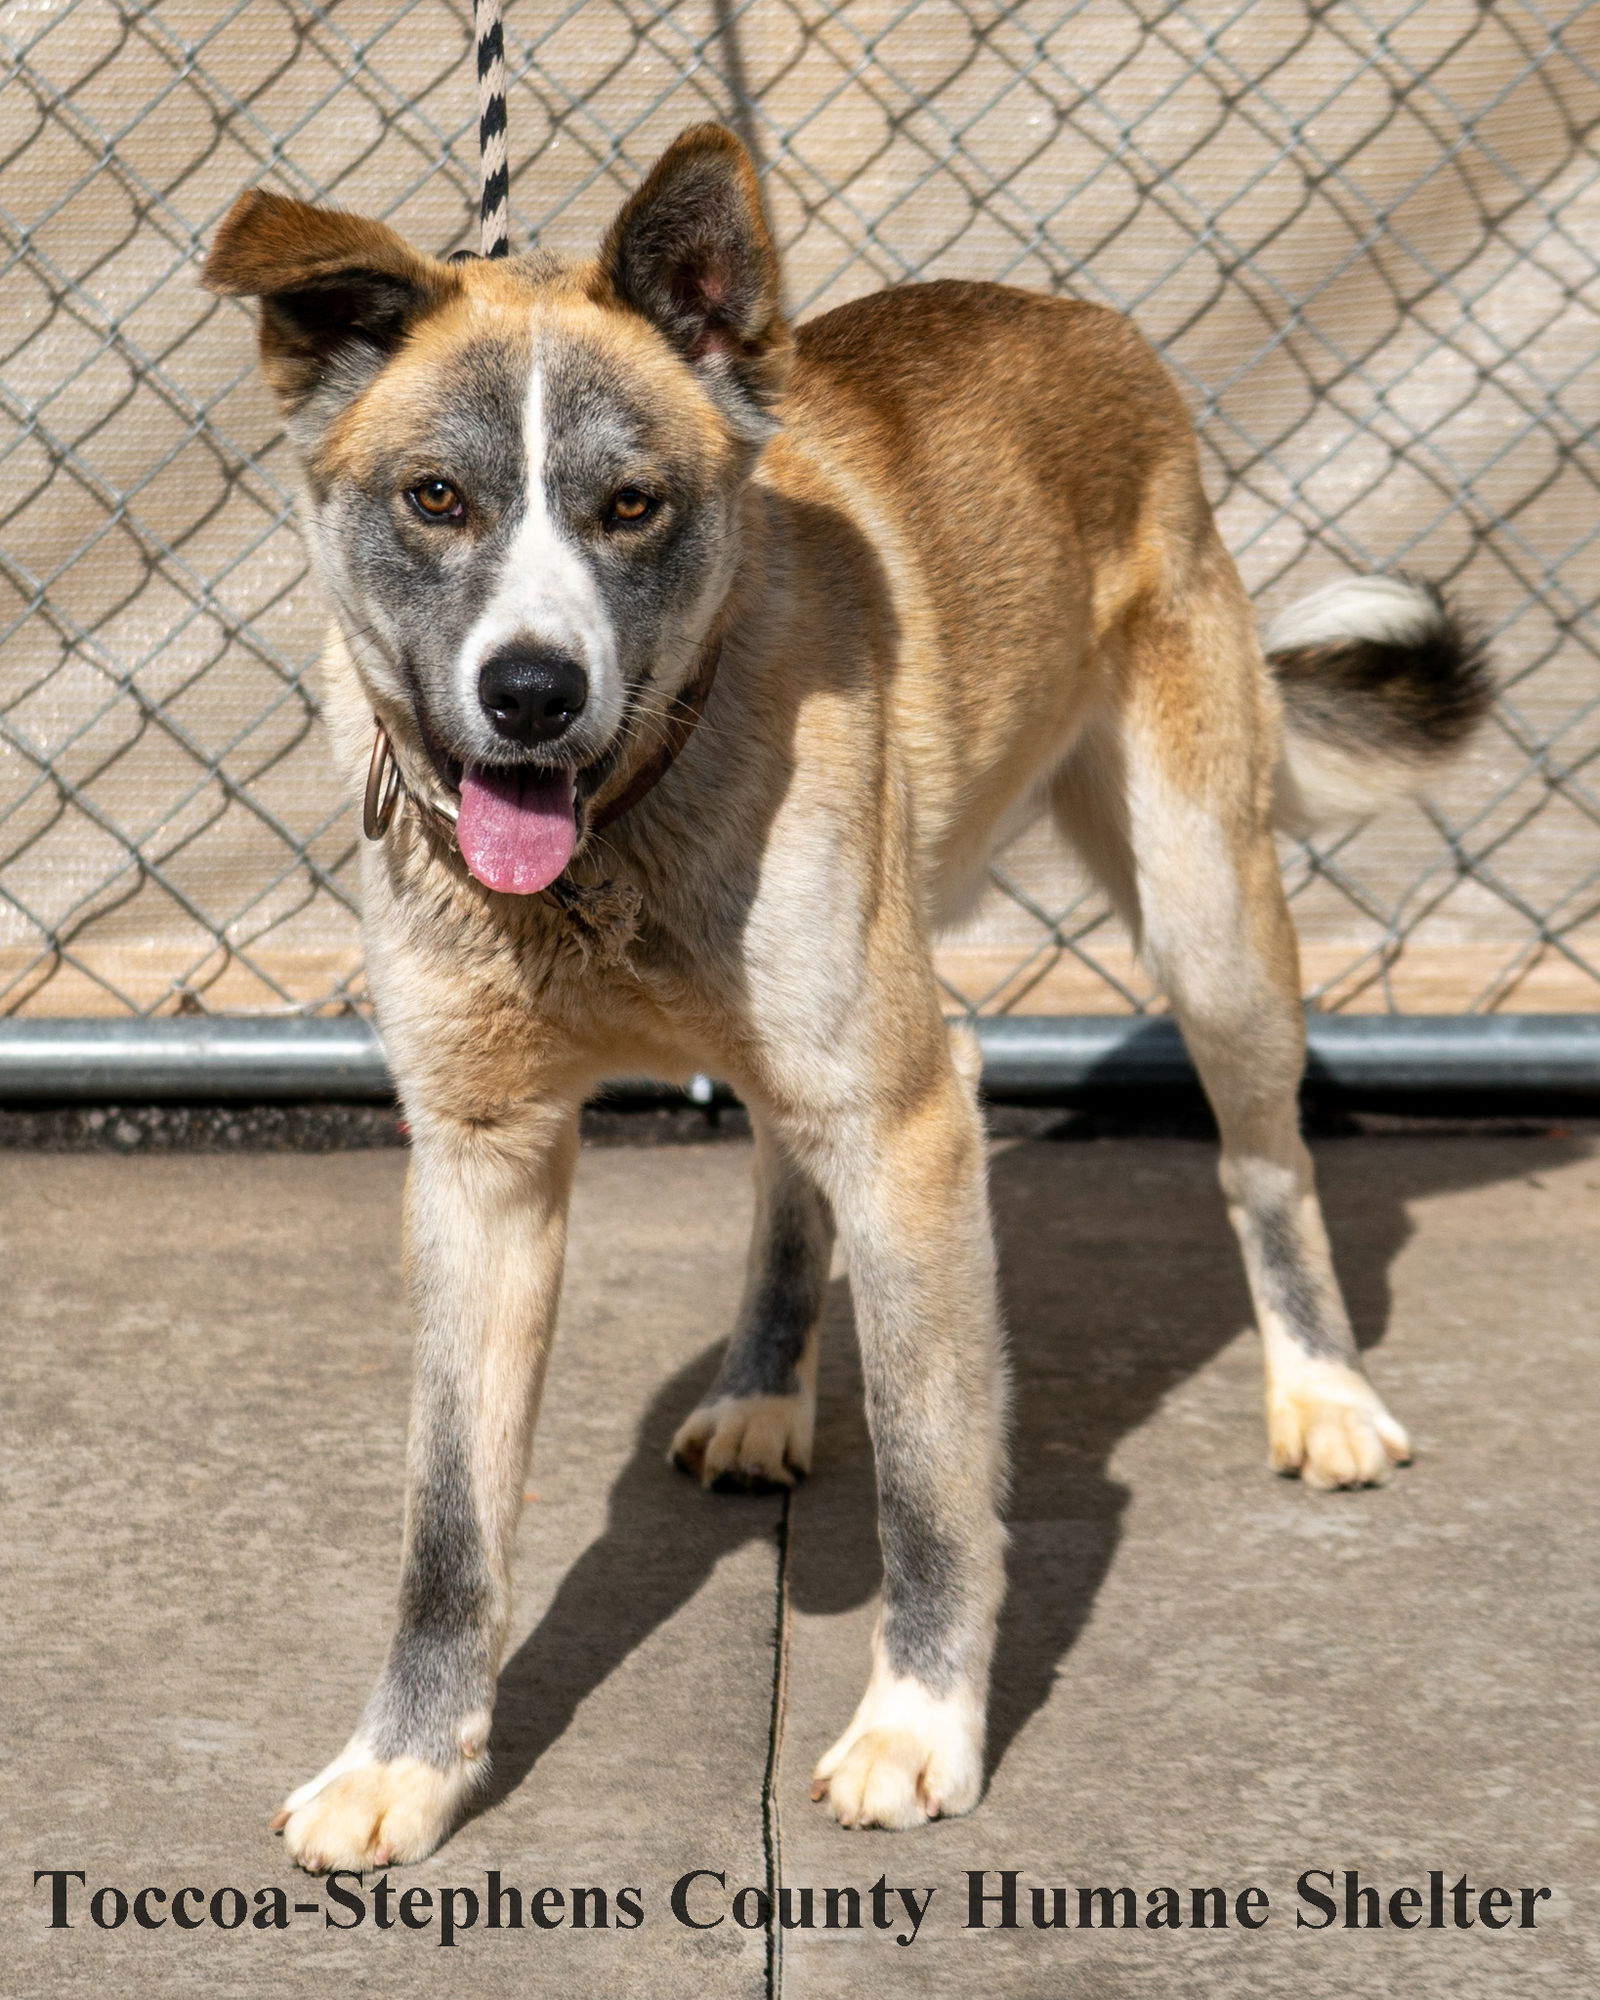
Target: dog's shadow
x,y
1101,1328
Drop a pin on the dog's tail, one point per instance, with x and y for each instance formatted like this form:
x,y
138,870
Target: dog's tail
x,y
1383,682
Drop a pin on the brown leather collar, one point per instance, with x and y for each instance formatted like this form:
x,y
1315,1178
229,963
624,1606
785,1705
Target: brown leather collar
x,y
386,783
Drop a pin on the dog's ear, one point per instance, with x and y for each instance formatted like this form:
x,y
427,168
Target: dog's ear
x,y
336,291
691,252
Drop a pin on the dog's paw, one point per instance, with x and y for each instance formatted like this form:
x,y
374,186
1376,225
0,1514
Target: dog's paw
x,y
1329,1425
360,1813
748,1442
906,1757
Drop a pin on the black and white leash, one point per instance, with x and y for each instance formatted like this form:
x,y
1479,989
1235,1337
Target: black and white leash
x,y
494,204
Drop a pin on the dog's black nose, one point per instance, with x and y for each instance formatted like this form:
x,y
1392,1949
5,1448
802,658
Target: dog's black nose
x,y
532,693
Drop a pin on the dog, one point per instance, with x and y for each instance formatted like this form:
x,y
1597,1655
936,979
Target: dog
x,y
695,669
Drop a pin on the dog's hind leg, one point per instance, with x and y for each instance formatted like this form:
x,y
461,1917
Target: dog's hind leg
x,y
754,1429
486,1207
1168,798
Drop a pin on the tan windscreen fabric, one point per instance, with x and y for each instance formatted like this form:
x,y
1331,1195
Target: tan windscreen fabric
x,y
1366,238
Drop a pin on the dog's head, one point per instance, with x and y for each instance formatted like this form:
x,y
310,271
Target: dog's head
x,y
523,475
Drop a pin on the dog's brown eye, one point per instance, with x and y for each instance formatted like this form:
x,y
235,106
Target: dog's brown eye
x,y
437,500
631,505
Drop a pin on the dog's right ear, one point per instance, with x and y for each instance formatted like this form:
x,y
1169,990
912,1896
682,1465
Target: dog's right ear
x,y
337,291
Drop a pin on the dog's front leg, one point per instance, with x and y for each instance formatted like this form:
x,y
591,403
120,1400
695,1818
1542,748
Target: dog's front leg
x,y
909,1188
486,1206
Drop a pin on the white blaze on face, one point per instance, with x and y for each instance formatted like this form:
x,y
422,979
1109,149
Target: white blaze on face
x,y
545,593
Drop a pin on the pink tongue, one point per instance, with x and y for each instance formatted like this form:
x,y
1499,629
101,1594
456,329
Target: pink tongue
x,y
517,829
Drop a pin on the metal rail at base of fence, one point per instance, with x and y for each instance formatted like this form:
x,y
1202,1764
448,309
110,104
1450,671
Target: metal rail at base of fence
x,y
1026,1059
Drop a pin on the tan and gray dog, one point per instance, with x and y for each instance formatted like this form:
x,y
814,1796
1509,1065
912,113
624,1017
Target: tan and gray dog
x,y
714,662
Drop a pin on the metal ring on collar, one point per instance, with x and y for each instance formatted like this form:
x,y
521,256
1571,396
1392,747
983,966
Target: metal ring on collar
x,y
383,786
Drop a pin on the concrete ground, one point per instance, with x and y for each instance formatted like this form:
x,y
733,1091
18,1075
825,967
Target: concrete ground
x,y
1207,1677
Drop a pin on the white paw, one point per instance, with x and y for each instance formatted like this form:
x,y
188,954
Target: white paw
x,y
361,1814
1327,1422
908,1756
748,1440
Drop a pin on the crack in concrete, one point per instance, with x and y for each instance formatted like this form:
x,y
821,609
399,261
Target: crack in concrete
x,y
771,1823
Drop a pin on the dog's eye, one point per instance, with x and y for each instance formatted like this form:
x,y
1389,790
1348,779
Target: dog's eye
x,y
437,500
630,506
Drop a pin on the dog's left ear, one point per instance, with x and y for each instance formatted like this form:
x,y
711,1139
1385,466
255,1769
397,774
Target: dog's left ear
x,y
691,252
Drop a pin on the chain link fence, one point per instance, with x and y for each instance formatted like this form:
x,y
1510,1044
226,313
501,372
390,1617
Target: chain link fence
x,y
1365,237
